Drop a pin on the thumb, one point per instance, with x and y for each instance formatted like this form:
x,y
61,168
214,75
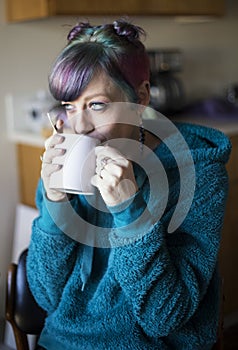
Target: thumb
x,y
59,126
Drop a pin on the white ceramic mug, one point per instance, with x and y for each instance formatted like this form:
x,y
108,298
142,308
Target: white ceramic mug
x,y
79,163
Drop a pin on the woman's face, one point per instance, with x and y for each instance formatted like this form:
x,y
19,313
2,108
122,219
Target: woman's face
x,y
98,111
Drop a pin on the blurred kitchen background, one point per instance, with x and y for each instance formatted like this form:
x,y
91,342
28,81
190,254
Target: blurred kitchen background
x,y
198,67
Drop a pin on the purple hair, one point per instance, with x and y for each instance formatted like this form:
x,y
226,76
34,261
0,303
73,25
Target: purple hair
x,y
114,48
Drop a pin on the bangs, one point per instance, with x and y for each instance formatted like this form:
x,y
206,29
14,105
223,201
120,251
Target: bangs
x,y
78,64
73,70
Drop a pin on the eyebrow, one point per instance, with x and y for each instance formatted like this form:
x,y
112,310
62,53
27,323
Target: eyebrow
x,y
89,97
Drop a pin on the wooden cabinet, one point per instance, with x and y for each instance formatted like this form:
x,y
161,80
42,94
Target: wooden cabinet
x,y
29,167
229,245
20,10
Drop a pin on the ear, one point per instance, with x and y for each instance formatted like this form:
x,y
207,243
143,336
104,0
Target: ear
x,y
143,93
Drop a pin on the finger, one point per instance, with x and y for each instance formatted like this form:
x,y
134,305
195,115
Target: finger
x,y
119,162
94,180
48,169
113,169
115,166
112,155
101,184
109,179
99,149
109,157
54,140
48,142
51,153
59,126
107,151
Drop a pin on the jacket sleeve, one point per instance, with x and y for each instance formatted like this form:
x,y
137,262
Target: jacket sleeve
x,y
51,254
165,275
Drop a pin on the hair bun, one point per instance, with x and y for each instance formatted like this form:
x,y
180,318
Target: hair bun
x,y
124,28
78,29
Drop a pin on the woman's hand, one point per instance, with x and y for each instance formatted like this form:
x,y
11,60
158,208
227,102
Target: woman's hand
x,y
114,176
48,167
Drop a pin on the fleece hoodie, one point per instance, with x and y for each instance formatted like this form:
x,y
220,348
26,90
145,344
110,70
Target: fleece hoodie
x,y
149,286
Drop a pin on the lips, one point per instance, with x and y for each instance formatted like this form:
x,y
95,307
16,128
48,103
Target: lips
x,y
97,136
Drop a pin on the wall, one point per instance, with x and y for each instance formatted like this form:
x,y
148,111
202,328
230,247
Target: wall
x,y
27,50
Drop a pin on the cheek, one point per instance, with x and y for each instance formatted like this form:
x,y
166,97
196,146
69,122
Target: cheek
x,y
118,131
109,129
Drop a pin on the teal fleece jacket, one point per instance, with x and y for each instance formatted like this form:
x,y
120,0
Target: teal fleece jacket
x,y
159,290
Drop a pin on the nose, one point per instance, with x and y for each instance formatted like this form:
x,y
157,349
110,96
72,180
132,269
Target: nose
x,y
82,123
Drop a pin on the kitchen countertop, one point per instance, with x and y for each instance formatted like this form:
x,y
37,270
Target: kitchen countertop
x,y
229,126
26,137
219,114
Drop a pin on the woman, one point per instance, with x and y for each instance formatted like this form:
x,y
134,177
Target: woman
x,y
149,286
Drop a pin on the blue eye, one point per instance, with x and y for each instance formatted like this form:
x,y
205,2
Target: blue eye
x,y
70,110
97,106
68,107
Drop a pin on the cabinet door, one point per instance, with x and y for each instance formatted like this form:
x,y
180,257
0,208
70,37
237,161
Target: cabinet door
x,y
201,7
228,253
105,7
29,167
20,10
137,7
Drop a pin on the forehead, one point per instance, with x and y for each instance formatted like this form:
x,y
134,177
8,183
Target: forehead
x,y
102,84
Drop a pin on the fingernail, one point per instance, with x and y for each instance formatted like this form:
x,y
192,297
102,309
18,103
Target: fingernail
x,y
60,137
